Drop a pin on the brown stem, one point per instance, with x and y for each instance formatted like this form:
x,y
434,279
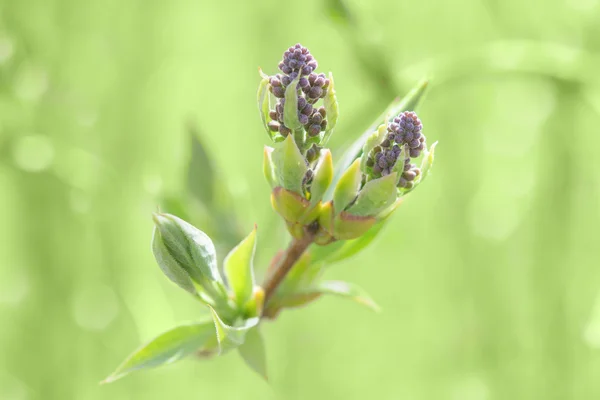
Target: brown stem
x,y
285,263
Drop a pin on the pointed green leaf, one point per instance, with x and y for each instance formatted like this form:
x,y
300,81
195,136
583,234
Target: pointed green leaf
x,y
239,268
167,348
230,337
290,108
323,177
289,166
332,110
375,196
253,352
347,187
348,248
289,205
200,173
268,167
171,268
263,100
345,289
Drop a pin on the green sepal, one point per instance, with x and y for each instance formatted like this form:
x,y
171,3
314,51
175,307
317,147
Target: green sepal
x,y
347,187
268,167
264,102
375,196
331,110
230,337
167,348
326,217
253,352
254,306
290,108
289,166
347,226
239,269
322,178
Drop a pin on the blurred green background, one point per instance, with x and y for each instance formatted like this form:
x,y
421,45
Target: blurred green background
x,y
488,275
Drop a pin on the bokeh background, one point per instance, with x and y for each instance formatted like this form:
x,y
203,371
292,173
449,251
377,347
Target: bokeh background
x,y
488,275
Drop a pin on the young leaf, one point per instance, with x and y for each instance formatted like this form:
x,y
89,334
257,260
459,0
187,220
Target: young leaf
x,y
290,108
323,177
230,337
289,165
167,348
253,352
268,167
200,173
263,99
338,288
331,108
375,196
169,266
347,187
239,269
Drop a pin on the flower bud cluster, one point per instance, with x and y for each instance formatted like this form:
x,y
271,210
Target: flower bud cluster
x,y
404,132
299,64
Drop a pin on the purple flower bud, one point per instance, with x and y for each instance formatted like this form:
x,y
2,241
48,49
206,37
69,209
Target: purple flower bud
x,y
278,91
377,169
315,92
286,80
370,162
303,118
273,114
273,126
385,143
414,153
301,103
382,163
414,144
314,130
322,111
323,124
284,130
316,118
409,175
303,82
385,171
307,109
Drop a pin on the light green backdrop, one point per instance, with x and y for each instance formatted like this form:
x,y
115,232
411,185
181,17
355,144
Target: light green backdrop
x,y
488,276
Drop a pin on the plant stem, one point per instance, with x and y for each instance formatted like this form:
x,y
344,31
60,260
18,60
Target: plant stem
x,y
293,253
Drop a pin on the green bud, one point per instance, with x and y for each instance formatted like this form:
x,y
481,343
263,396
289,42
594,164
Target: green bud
x,y
331,108
289,166
239,269
375,196
178,243
347,187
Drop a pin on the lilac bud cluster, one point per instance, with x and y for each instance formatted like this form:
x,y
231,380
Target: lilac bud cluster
x,y
297,61
404,132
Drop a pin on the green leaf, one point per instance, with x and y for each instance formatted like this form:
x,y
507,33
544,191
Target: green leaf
x,y
268,167
263,100
375,196
200,173
230,337
239,269
169,266
349,248
253,352
408,103
167,348
348,290
347,187
332,110
289,166
323,177
290,108
337,288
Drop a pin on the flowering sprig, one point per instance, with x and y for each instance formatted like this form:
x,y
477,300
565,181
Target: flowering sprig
x,y
331,214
